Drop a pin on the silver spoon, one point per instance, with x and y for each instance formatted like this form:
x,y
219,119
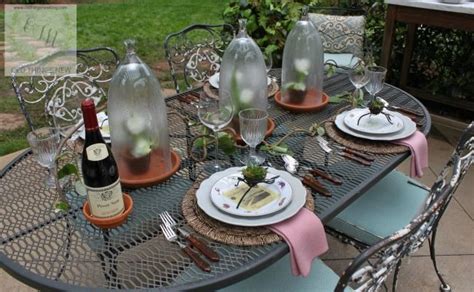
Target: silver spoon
x,y
291,164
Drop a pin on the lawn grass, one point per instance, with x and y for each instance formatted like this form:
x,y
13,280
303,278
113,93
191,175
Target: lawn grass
x,y
109,24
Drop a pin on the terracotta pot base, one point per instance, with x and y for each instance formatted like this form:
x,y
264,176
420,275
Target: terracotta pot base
x,y
111,222
152,176
310,103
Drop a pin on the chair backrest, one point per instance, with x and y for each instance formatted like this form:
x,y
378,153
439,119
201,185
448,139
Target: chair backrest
x,y
194,53
368,271
54,99
341,28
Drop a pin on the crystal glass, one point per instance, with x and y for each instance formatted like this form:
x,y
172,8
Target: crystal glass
x,y
253,125
44,143
376,79
215,114
358,77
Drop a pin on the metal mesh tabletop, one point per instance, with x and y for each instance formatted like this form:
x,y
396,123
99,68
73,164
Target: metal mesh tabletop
x,y
63,251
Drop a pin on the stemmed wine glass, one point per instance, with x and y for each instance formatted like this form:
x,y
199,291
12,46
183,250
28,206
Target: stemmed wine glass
x,y
44,143
376,77
253,125
215,114
358,77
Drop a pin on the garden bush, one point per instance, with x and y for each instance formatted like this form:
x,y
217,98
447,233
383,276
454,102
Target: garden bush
x,y
442,62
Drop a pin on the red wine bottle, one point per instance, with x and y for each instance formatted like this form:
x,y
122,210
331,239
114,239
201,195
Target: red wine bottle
x,y
99,169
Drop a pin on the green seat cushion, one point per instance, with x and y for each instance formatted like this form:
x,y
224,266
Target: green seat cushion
x,y
278,277
341,60
385,208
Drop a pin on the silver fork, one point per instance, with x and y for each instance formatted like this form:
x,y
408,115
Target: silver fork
x,y
200,245
171,236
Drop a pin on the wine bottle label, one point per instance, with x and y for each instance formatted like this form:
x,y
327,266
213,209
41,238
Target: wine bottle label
x,y
97,152
106,201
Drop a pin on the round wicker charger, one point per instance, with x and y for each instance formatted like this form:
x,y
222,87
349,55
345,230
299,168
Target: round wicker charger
x,y
223,232
376,147
214,92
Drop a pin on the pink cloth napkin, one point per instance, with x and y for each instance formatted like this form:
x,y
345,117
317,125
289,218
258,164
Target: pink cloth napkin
x,y
419,152
304,234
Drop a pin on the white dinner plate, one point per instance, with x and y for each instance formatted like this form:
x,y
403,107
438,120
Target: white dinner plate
x,y
372,124
408,129
203,195
263,199
214,80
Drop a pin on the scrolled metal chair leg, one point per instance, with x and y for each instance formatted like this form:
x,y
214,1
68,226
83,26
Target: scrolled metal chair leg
x,y
444,286
395,276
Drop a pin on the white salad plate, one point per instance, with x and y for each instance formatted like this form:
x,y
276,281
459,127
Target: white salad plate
x,y
372,124
203,195
408,129
214,80
263,199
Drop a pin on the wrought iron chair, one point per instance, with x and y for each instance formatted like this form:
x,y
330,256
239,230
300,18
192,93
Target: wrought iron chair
x,y
370,269
194,53
396,200
343,33
54,99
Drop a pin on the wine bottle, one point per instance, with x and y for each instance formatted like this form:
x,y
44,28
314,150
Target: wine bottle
x,y
99,169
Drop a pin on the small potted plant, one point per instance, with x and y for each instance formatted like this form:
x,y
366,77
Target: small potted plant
x,y
376,106
138,156
297,89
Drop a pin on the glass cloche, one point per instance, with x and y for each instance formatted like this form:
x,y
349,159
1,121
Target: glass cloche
x,y
243,76
303,65
138,122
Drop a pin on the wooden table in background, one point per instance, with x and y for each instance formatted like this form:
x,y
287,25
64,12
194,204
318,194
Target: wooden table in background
x,y
426,12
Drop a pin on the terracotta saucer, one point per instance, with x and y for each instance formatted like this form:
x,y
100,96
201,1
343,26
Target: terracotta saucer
x,y
148,179
270,127
310,103
110,222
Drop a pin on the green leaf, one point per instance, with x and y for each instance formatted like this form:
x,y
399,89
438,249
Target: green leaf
x,y
226,143
321,131
338,98
276,149
68,169
61,206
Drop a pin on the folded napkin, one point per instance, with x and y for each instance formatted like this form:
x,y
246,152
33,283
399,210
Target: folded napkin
x,y
304,234
419,152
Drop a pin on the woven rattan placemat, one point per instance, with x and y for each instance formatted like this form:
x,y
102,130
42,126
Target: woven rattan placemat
x,y
223,232
214,92
376,147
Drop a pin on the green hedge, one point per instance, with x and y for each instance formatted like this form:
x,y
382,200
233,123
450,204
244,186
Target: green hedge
x,y
443,61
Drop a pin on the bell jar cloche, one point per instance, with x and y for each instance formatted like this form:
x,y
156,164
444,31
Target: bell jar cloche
x,y
138,123
243,76
302,68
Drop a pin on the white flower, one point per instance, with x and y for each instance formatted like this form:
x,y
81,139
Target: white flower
x,y
142,147
135,125
302,66
246,96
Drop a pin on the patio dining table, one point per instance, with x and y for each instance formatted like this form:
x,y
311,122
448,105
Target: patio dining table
x,y
63,251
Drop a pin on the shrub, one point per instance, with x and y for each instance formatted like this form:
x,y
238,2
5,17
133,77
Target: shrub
x,y
442,62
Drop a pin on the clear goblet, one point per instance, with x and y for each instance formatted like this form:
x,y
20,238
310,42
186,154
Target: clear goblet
x,y
215,114
44,143
376,76
253,125
358,77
